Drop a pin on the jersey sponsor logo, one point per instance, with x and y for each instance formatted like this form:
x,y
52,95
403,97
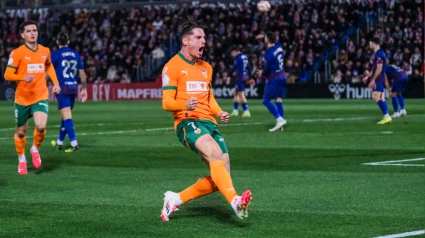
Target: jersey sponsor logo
x,y
35,68
204,72
165,80
164,71
196,87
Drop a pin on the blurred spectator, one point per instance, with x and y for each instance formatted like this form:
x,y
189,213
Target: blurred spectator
x,y
116,45
337,77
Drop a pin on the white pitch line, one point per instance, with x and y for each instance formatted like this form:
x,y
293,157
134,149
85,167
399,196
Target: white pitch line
x,y
348,118
406,234
134,131
405,165
392,163
85,125
337,119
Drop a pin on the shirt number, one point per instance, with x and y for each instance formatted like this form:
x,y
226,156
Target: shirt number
x,y
71,64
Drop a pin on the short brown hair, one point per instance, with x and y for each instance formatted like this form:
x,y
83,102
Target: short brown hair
x,y
27,23
187,26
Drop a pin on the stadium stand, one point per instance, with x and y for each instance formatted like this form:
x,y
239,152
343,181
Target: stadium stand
x,y
324,41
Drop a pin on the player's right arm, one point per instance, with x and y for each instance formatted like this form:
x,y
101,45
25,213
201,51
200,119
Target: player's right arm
x,y
266,69
234,67
387,84
169,91
12,68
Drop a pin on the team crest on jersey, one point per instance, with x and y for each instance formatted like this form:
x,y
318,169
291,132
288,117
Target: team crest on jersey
x,y
198,131
43,56
204,72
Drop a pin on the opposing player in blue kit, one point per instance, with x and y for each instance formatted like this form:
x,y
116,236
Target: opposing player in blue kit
x,y
242,70
377,82
69,68
397,78
276,79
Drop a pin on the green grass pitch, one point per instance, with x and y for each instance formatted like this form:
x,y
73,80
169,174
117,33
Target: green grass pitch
x,y
308,181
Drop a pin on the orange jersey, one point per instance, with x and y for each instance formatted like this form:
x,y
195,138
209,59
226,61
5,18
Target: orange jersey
x,y
30,62
188,79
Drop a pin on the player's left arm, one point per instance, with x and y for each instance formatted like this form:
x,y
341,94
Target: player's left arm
x,y
250,81
215,108
83,79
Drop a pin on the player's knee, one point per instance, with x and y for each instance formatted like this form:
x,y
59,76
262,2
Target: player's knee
x,y
20,134
40,129
376,97
265,101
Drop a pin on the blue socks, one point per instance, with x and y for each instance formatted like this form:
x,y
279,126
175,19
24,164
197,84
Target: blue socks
x,y
245,106
235,106
395,104
62,132
280,109
273,110
383,105
401,101
69,127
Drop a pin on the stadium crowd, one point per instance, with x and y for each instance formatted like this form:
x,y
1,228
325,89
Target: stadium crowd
x,y
114,44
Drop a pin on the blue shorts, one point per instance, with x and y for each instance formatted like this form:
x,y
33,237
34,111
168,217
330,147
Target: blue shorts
x,y
66,100
240,85
399,85
275,89
379,87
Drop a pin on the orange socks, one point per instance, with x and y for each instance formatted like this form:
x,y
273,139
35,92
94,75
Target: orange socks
x,y
38,138
222,179
202,187
20,144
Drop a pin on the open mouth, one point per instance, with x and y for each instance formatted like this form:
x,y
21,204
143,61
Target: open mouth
x,y
201,50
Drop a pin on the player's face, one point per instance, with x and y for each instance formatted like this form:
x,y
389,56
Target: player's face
x,y
372,45
234,53
196,43
30,34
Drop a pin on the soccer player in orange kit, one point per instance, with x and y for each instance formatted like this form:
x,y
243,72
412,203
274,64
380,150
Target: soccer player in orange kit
x,y
28,65
187,92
